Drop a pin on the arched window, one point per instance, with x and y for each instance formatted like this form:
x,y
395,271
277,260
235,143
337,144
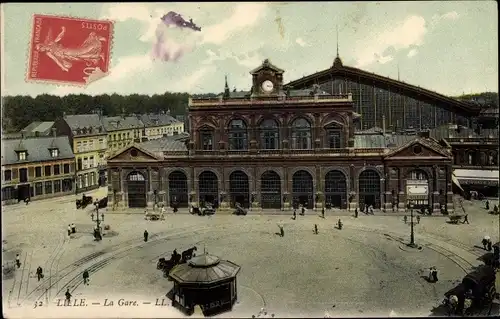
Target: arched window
x,y
301,134
207,138
333,136
269,135
237,135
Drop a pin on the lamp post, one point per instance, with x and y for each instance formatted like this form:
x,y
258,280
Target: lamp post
x,y
97,220
412,233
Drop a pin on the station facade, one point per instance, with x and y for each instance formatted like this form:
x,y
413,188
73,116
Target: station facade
x,y
275,146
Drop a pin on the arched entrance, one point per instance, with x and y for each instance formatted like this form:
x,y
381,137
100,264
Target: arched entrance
x,y
208,188
417,188
270,190
136,190
178,188
369,189
238,189
302,189
336,189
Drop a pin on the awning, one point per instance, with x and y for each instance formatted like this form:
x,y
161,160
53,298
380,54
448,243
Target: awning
x,y
477,177
456,182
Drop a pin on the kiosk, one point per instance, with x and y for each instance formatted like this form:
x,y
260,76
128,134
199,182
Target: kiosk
x,y
206,281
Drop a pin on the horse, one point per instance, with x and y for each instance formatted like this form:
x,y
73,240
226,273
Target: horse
x,y
188,253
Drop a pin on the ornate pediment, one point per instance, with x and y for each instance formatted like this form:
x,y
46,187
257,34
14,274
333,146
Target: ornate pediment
x,y
419,148
134,153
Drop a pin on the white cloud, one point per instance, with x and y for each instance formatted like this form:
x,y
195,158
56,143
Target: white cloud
x,y
248,60
402,35
125,11
301,42
244,16
189,83
412,53
385,59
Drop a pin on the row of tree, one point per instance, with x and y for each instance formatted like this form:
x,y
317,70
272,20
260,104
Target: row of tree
x,y
20,111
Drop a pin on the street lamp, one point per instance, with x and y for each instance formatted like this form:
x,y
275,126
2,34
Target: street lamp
x,y
97,220
412,234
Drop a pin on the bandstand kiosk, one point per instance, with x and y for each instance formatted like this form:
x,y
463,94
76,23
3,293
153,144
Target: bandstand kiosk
x,y
207,281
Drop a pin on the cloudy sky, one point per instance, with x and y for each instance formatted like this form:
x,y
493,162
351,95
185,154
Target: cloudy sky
x,y
449,47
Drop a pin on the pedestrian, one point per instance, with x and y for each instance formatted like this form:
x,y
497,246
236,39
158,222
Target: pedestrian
x,y
495,209
146,235
39,273
316,229
282,231
27,201
73,228
466,219
303,210
339,224
489,245
356,212
18,261
68,295
487,205
294,217
323,212
69,230
434,275
485,242
145,213
418,219
405,219
86,277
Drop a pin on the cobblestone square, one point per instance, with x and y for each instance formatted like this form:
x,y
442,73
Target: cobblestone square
x,y
362,270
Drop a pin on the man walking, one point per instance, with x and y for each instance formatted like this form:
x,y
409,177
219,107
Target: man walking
x,y
69,230
294,217
86,277
39,273
303,210
282,232
146,234
73,228
68,296
315,229
18,261
323,212
356,212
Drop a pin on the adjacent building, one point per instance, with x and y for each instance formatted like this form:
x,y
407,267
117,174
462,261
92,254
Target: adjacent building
x,y
36,168
122,131
159,125
88,140
276,146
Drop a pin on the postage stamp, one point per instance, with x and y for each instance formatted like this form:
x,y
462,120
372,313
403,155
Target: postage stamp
x,y
69,50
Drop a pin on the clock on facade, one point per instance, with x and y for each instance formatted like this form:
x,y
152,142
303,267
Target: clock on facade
x,y
267,86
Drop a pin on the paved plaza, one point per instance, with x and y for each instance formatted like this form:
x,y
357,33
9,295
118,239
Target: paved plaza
x,y
364,269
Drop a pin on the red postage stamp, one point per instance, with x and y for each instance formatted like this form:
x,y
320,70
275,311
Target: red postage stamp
x,y
68,50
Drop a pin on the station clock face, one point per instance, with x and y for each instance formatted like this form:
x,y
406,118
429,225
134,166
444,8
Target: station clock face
x,y
267,86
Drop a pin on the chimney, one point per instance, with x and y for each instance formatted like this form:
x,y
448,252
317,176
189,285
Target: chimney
x,y
54,132
383,125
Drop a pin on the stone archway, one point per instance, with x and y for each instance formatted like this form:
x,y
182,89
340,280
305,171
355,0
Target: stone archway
x,y
136,190
417,188
369,188
239,190
208,188
303,189
336,189
178,188
270,190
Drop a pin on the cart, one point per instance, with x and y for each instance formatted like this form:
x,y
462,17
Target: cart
x,y
455,219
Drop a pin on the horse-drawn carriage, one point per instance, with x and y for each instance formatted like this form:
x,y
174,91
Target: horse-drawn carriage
x,y
239,210
84,202
207,209
175,259
102,203
476,290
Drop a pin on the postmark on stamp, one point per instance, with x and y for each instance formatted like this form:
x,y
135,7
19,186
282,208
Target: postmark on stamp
x,y
68,50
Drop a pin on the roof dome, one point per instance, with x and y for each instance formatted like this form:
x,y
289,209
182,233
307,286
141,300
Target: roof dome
x,y
204,260
337,62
